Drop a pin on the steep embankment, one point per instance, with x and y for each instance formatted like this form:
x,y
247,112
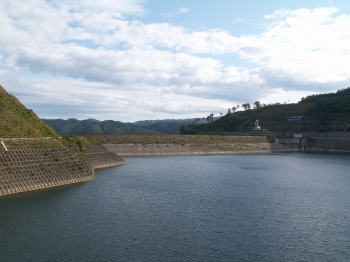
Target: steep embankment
x,y
18,121
33,157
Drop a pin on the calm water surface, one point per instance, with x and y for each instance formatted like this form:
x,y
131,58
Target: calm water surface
x,y
273,207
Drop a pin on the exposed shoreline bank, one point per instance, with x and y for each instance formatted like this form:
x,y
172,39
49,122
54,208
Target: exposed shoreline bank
x,y
189,149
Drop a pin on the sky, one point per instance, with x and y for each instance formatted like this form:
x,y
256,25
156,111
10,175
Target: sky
x,y
130,60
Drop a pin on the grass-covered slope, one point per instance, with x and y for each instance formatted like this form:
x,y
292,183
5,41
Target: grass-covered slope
x,y
320,113
16,121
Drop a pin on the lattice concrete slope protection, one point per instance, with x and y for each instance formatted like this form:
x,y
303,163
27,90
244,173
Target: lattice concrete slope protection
x,y
31,164
98,156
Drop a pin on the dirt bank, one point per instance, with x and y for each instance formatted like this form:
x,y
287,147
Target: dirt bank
x,y
190,149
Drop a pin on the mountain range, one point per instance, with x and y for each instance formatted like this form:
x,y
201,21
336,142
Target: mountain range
x,y
111,127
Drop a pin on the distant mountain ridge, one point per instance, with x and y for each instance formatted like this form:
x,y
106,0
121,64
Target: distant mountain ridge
x,y
151,122
93,127
111,127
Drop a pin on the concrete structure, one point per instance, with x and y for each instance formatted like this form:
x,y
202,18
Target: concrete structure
x,y
317,142
291,141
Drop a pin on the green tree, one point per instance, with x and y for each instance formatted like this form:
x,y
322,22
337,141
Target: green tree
x,y
246,106
257,104
210,118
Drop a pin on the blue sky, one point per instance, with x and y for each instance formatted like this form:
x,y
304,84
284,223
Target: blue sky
x,y
130,60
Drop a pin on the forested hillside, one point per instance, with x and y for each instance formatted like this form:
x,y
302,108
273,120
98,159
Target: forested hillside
x,y
93,127
335,104
316,113
110,127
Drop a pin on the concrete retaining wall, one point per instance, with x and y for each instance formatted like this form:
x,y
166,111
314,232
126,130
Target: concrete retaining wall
x,y
313,134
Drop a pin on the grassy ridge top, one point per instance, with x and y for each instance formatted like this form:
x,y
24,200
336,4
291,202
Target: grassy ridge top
x,y
19,122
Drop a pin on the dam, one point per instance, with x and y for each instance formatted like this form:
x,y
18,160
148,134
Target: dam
x,y
317,141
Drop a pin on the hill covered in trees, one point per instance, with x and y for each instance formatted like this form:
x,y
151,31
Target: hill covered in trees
x,y
317,113
93,127
110,127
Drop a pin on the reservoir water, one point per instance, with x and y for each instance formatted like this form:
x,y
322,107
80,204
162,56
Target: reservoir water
x,y
269,207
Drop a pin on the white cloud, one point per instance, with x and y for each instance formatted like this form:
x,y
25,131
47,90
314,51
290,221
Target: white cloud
x,y
239,20
64,98
117,8
163,67
310,45
182,10
179,11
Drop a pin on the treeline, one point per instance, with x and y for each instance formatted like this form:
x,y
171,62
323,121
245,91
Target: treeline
x,y
315,98
331,103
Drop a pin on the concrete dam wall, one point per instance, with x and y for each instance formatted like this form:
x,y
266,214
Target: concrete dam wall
x,y
320,142
328,144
